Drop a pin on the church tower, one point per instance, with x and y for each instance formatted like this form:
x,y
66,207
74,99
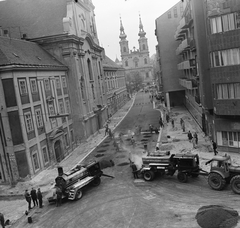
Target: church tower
x,y
124,49
143,43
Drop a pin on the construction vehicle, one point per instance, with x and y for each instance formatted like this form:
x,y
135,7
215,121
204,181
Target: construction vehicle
x,y
222,172
186,165
73,182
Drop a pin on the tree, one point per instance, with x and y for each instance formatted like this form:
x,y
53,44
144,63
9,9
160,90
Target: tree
x,y
134,81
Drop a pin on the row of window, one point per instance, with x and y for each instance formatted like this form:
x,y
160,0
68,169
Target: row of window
x,y
34,87
136,62
225,23
225,57
174,12
228,91
39,117
226,138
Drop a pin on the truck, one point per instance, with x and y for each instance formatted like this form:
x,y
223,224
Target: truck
x,y
72,183
186,165
222,172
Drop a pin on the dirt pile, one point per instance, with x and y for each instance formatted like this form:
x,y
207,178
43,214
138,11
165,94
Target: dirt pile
x,y
216,216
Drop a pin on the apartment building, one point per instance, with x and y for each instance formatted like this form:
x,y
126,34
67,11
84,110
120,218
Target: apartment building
x,y
36,124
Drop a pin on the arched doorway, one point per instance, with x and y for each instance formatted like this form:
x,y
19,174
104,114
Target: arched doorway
x,y
58,150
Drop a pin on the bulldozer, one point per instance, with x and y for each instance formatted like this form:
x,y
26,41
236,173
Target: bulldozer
x,y
222,172
73,182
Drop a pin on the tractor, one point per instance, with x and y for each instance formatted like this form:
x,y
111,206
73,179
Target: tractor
x,y
222,172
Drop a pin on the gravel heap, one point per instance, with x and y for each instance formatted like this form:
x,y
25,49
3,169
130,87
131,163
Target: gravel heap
x,y
216,216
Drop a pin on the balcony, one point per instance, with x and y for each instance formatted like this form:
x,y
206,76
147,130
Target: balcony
x,y
184,65
181,29
186,83
183,46
192,44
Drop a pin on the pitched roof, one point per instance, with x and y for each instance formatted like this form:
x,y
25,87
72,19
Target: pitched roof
x,y
107,62
25,53
35,18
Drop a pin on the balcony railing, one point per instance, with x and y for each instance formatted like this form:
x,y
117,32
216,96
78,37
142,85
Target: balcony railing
x,y
184,65
185,83
184,44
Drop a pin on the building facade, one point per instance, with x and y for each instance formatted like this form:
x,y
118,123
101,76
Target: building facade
x,y
167,71
223,30
67,30
36,123
115,85
136,60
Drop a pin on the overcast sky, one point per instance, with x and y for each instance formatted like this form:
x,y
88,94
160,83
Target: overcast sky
x,y
108,13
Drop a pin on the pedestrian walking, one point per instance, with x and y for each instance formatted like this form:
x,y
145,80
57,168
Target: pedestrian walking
x,y
2,220
34,197
167,118
59,196
115,144
106,129
110,133
28,199
172,123
134,171
196,137
161,123
39,196
190,136
214,147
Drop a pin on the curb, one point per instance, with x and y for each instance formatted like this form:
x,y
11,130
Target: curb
x,y
107,136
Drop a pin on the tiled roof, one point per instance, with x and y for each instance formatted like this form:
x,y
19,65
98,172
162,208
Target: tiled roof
x,y
107,62
36,18
24,53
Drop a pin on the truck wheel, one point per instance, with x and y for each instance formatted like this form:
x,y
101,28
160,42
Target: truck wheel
x,y
79,194
96,181
148,175
216,181
182,177
235,184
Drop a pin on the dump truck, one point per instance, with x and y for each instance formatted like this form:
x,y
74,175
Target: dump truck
x,y
222,172
186,165
73,182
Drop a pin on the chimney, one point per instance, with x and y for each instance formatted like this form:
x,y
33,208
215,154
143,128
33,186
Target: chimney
x,y
1,31
24,36
5,33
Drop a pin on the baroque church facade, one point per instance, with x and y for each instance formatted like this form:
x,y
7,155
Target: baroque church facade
x,y
136,60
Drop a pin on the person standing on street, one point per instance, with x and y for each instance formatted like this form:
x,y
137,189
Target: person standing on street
x,y
214,147
190,136
59,196
196,137
134,171
34,197
106,129
172,123
2,220
167,118
28,199
39,196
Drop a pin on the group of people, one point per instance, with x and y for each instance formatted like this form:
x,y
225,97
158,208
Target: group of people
x,y
35,196
193,138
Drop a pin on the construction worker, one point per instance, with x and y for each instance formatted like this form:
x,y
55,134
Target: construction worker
x,y
134,170
34,197
39,196
59,196
28,199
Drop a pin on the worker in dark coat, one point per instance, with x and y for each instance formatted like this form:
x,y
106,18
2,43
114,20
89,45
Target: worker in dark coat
x,y
34,197
190,136
2,220
59,196
214,147
39,196
28,199
134,171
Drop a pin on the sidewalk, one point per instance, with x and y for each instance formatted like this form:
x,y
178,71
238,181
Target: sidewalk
x,y
176,141
13,204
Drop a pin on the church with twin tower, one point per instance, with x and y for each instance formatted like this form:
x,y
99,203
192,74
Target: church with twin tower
x,y
136,60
